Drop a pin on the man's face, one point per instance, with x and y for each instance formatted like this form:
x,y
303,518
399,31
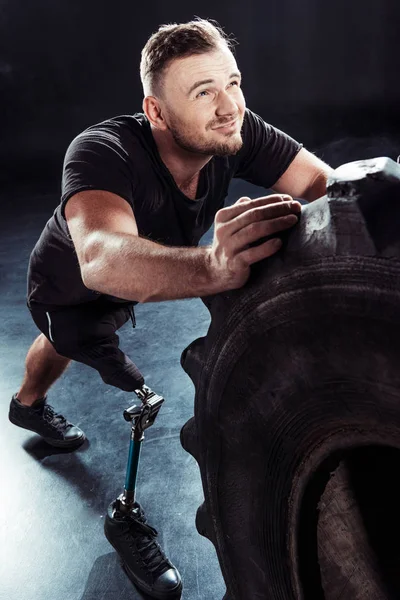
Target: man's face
x,y
195,113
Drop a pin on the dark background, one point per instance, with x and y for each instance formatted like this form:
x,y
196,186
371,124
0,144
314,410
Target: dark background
x,y
327,73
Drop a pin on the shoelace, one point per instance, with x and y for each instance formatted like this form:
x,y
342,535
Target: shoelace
x,y
55,419
148,547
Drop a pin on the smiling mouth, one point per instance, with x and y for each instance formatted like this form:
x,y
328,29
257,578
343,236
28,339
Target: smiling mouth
x,y
230,124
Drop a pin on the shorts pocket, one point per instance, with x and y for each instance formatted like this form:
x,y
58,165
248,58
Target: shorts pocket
x,y
50,327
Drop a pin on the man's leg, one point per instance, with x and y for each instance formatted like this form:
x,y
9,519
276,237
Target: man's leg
x,y
29,408
43,366
87,334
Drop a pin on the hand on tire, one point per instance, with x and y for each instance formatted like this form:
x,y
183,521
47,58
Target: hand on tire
x,y
243,223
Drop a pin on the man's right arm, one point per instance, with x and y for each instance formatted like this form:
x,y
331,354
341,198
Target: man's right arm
x,y
114,260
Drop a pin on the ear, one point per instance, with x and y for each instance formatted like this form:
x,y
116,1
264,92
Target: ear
x,y
152,109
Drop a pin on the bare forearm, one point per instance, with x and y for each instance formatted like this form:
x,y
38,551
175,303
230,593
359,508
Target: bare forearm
x,y
135,268
318,188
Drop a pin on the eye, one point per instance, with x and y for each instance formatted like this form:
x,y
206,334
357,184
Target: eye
x,y
199,95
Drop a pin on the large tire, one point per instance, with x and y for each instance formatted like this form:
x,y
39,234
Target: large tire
x,y
297,409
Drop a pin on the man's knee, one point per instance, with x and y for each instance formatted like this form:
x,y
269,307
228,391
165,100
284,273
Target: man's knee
x,y
49,346
63,349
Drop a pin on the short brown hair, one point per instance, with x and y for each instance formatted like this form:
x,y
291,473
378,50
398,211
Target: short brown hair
x,y
177,41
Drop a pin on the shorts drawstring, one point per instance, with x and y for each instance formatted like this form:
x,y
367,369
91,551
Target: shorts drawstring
x,y
132,314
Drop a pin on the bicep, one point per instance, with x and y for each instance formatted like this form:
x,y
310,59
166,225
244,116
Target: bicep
x,y
97,211
300,174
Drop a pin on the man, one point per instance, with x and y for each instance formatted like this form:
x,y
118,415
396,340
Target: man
x,y
138,192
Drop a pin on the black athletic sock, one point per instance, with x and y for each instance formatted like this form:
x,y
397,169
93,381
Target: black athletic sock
x,y
35,403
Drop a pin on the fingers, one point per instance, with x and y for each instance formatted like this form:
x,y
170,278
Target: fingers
x,y
261,218
246,204
263,214
257,253
248,221
262,199
259,229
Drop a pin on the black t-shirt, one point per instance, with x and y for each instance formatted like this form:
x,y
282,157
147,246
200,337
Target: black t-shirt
x,y
120,155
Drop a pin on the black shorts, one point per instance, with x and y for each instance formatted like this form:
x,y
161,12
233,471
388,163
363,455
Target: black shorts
x,y
86,333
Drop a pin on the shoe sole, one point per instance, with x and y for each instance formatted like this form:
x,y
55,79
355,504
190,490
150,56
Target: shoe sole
x,y
60,444
170,595
56,443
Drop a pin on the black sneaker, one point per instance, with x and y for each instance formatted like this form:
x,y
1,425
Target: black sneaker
x,y
42,419
141,555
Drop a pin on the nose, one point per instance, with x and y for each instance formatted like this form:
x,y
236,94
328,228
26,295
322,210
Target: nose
x,y
226,105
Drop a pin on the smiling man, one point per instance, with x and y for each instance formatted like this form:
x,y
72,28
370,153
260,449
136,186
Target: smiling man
x,y
138,193
188,128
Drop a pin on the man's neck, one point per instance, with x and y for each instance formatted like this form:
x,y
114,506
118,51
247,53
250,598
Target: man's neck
x,y
184,166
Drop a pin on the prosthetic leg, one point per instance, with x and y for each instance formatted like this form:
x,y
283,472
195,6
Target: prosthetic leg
x,y
141,417
125,525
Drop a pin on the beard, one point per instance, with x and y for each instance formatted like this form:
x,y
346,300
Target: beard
x,y
194,144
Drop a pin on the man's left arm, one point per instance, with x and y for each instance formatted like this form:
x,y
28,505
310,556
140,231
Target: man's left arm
x,y
305,177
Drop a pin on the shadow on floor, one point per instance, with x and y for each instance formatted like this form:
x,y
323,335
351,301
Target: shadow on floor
x,y
108,581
